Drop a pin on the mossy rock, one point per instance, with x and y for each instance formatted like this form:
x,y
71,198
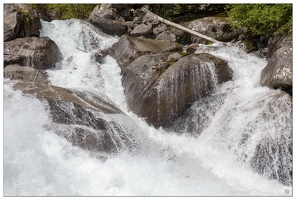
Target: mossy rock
x,y
20,20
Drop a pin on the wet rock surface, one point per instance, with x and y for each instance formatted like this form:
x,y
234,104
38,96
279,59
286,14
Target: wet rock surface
x,y
26,74
38,53
161,87
84,119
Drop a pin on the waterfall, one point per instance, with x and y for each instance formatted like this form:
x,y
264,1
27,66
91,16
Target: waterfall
x,y
233,142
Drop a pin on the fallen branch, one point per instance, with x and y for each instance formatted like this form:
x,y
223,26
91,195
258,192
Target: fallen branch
x,y
178,26
81,50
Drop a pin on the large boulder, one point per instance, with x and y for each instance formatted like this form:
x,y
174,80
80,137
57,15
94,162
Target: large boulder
x,y
39,53
127,49
106,19
26,74
278,71
278,41
20,21
160,87
215,27
84,119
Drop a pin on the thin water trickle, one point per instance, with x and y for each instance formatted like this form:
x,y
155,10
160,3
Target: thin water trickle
x,y
217,161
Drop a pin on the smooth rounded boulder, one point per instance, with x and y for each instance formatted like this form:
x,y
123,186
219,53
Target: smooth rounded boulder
x,y
160,87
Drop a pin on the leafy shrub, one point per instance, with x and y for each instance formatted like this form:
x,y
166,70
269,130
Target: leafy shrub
x,y
78,11
187,12
167,11
68,11
261,19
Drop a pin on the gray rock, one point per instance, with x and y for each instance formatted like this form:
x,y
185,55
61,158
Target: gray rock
x,y
109,26
192,48
273,156
107,11
214,27
159,29
129,48
39,53
106,19
100,54
278,71
248,47
14,60
160,87
84,119
166,36
151,19
278,41
142,30
182,37
26,74
88,36
20,21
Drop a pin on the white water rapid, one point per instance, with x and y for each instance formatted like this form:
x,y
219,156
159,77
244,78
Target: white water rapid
x,y
37,162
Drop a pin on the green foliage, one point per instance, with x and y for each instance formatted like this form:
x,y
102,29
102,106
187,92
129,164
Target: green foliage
x,y
183,54
27,16
68,11
78,11
261,19
167,11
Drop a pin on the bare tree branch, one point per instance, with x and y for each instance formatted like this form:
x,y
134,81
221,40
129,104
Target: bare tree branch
x,y
178,26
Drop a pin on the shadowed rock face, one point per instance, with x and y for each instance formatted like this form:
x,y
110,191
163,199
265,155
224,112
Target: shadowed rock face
x,y
278,71
161,87
39,53
84,119
20,21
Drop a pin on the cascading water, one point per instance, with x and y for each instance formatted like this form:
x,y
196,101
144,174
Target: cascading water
x,y
229,123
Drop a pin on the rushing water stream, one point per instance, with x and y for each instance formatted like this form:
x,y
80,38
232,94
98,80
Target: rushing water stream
x,y
214,162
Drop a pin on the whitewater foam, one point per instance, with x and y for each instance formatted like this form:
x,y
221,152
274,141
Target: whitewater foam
x,y
37,162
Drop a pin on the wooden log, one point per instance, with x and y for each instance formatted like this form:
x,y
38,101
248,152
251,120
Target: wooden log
x,y
178,26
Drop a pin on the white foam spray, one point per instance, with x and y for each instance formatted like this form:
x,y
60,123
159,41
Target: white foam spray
x,y
40,163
